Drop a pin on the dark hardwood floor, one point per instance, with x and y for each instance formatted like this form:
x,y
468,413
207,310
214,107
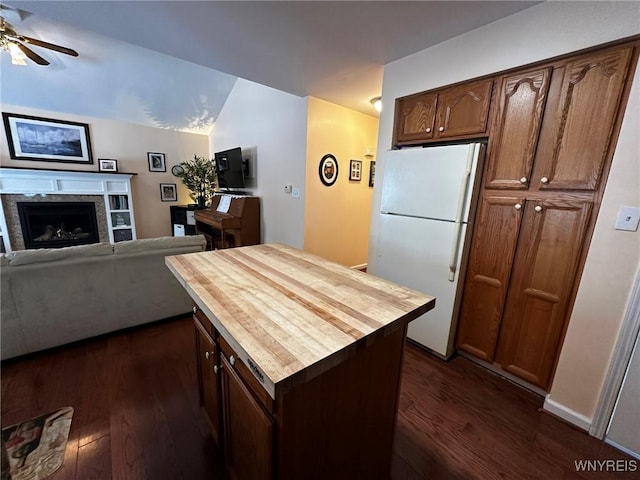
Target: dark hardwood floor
x,y
137,416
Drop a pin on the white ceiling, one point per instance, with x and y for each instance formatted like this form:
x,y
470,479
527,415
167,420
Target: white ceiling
x,y
331,50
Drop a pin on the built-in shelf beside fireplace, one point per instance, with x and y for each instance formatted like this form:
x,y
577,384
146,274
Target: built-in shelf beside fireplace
x,y
110,194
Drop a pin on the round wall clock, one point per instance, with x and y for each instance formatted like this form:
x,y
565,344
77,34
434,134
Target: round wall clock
x,y
328,170
177,170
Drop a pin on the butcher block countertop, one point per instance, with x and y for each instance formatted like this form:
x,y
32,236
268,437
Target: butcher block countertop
x,y
290,314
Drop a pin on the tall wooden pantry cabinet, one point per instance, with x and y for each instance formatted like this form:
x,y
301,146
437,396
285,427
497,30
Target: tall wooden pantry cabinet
x,y
552,133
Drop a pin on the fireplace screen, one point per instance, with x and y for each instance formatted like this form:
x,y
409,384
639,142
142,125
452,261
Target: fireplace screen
x,y
58,224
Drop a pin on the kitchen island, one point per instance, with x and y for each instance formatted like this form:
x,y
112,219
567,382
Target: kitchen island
x,y
299,360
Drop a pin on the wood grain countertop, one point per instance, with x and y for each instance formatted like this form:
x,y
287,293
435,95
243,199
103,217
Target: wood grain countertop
x,y
289,314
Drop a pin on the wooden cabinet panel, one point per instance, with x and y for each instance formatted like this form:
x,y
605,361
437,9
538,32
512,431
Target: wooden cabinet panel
x,y
248,430
544,271
415,116
492,251
448,113
209,382
515,129
576,141
463,110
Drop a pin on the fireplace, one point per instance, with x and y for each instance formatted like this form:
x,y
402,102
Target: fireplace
x,y
58,224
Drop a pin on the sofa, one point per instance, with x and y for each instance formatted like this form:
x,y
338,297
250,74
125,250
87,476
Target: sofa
x,y
51,297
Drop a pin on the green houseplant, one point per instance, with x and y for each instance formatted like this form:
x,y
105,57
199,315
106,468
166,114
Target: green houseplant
x,y
199,176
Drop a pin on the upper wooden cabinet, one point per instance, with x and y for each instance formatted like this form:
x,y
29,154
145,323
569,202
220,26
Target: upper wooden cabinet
x,y
455,112
415,117
579,128
515,128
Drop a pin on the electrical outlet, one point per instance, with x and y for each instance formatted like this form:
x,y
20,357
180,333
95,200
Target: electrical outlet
x,y
296,192
628,219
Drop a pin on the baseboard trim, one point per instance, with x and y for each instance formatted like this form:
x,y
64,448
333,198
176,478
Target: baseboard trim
x,y
362,266
566,414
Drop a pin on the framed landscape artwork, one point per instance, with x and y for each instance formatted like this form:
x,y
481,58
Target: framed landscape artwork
x,y
46,139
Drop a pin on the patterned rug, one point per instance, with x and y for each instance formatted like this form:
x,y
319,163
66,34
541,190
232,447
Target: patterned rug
x,y
34,449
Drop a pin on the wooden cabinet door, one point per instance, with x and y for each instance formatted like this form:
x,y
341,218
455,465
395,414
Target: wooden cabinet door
x,y
544,272
248,430
515,129
576,142
463,110
491,256
415,116
209,383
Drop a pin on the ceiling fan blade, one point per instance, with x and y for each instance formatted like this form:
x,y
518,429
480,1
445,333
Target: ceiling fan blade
x,y
50,46
31,54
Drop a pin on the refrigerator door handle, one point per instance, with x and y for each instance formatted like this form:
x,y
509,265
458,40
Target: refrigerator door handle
x,y
464,187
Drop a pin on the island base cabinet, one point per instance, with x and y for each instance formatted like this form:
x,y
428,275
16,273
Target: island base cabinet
x,y
207,379
340,425
337,424
248,430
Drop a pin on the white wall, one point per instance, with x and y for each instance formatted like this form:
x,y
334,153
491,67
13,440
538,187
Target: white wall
x,y
271,125
538,33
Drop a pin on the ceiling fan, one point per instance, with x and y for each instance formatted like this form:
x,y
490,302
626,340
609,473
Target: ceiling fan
x,y
16,45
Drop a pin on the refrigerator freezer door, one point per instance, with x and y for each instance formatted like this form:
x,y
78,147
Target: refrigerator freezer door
x,y
427,182
415,252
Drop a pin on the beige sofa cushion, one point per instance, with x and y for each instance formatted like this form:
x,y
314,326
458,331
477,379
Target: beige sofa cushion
x,y
41,255
162,243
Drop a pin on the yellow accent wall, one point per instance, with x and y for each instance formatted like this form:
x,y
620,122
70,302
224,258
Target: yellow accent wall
x,y
337,218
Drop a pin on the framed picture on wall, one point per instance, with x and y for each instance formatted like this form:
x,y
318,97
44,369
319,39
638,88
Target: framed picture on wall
x,y
156,162
372,173
46,139
107,165
328,170
355,170
168,192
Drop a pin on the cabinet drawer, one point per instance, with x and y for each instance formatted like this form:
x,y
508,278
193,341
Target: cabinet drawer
x,y
250,381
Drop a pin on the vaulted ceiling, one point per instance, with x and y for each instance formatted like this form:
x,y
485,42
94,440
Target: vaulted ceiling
x,y
173,63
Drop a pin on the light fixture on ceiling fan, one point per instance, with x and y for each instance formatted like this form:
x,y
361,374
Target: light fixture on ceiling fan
x,y
16,45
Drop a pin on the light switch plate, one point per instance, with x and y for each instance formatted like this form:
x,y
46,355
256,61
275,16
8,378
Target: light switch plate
x,y
295,193
628,219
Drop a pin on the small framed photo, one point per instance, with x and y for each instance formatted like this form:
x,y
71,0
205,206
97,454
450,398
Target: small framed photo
x,y
372,173
355,170
107,165
156,162
168,192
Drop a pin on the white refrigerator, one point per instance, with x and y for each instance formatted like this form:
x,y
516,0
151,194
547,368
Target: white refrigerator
x,y
425,202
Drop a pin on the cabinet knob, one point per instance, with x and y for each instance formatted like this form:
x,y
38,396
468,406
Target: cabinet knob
x,y
216,369
517,206
232,360
428,130
195,310
206,355
441,129
544,180
523,180
538,208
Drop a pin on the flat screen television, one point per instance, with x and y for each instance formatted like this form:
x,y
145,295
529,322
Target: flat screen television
x,y
230,169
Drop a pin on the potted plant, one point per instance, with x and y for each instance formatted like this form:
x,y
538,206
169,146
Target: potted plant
x,y
199,176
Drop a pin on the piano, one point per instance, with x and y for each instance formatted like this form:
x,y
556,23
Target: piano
x,y
238,227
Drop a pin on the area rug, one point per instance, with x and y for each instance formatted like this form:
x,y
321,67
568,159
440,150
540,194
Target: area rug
x,y
34,449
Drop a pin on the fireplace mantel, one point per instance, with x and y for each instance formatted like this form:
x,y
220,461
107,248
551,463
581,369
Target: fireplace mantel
x,y
115,188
